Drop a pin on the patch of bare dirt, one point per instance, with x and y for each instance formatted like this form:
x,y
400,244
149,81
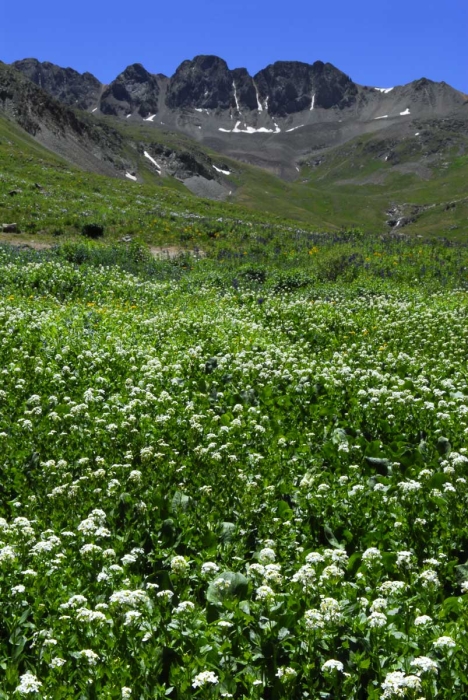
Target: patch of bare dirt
x,y
33,245
171,252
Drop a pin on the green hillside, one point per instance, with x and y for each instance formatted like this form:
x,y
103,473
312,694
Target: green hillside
x,y
362,184
233,434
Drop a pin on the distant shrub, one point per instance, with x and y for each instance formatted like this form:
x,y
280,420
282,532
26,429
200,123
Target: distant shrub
x,y
339,265
254,274
289,281
92,230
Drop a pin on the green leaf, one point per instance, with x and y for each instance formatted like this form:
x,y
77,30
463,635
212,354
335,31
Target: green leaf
x,y
331,537
381,465
451,606
443,446
284,511
438,480
461,572
227,531
237,587
180,501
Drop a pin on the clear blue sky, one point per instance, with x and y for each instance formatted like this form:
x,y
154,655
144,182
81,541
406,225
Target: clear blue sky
x,y
378,42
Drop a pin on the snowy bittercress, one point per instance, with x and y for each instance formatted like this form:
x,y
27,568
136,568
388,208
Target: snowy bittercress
x,y
207,494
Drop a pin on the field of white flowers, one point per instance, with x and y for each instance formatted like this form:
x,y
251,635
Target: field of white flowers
x,y
210,493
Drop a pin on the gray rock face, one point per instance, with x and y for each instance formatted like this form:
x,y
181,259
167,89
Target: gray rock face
x,y
133,90
65,84
291,86
245,89
204,83
281,90
285,87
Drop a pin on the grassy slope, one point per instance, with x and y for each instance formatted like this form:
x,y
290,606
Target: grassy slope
x,y
319,197
68,198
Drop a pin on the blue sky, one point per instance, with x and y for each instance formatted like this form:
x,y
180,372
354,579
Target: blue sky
x,y
379,42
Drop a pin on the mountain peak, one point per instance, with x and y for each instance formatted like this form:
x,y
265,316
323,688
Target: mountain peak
x,y
205,82
135,89
293,86
66,84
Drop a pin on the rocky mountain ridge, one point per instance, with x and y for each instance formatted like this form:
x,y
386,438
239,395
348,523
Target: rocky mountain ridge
x,y
281,90
93,144
287,115
75,89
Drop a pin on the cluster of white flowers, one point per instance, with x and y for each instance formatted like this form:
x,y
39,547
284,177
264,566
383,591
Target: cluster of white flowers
x,y
286,673
397,683
332,665
205,678
179,565
425,664
28,684
444,642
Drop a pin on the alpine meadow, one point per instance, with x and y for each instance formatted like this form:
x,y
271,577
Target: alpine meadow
x,y
233,385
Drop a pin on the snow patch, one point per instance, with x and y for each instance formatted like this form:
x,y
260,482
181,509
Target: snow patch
x,y
251,130
259,104
199,109
130,177
219,170
128,115
298,169
150,158
384,90
405,113
313,102
235,96
150,118
417,133
95,109
385,116
294,128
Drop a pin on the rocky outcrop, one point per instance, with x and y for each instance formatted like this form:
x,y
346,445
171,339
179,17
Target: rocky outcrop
x,y
283,88
65,84
134,90
287,87
73,135
204,83
280,90
244,88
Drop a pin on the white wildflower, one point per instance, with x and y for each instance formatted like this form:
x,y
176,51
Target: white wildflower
x,y
204,678
332,665
444,642
209,568
422,620
425,664
179,565
286,673
28,684
376,620
372,556
266,556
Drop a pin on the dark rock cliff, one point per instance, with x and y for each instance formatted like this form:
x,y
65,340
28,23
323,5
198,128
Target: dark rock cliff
x,y
65,84
291,86
133,90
